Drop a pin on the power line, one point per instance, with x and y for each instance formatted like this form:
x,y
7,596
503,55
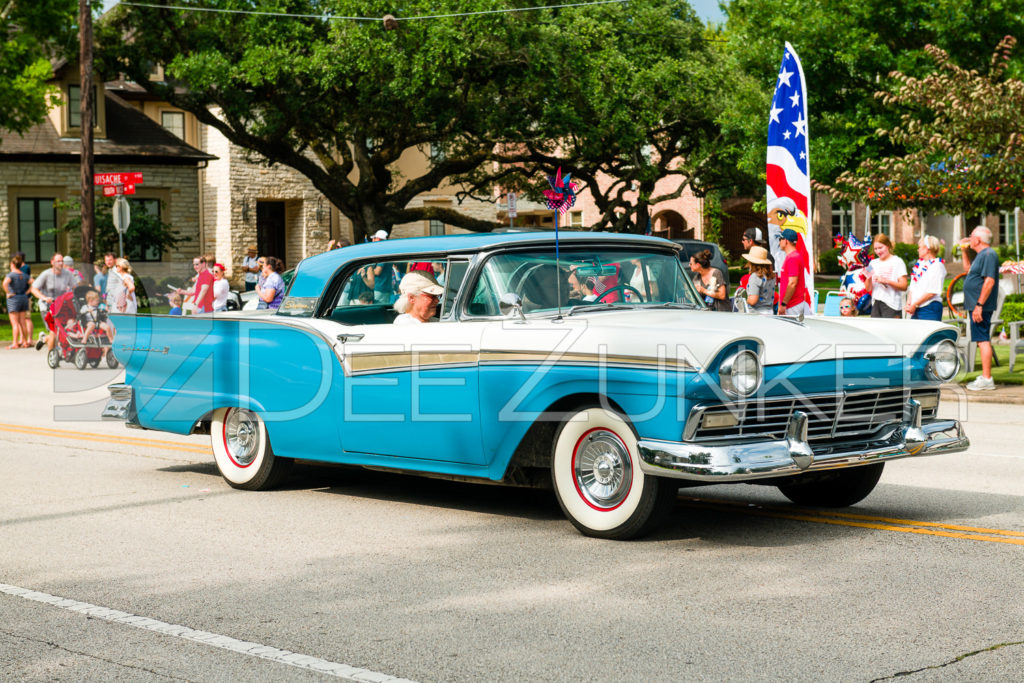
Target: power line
x,y
189,8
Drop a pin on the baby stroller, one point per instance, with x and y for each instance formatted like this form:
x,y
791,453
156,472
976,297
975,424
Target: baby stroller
x,y
62,318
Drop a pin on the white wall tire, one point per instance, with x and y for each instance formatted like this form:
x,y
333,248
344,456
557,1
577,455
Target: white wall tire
x,y
598,481
241,448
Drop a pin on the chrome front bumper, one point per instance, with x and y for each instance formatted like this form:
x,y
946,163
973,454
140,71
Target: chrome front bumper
x,y
723,463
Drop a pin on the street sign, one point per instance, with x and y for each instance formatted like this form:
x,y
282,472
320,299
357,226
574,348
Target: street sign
x,y
116,178
512,205
122,214
114,190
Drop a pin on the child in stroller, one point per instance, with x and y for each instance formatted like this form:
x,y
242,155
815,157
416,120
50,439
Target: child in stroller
x,y
82,330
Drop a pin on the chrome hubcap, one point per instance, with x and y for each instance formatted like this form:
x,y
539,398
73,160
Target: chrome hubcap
x,y
241,436
603,469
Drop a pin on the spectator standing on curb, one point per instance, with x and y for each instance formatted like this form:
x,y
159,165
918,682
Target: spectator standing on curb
x,y
16,286
53,282
792,289
19,256
69,266
271,292
761,283
924,294
203,295
709,281
752,237
125,300
887,278
980,299
221,288
99,278
251,268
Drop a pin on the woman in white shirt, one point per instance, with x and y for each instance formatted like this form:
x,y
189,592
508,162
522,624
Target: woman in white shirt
x,y
887,280
124,297
927,278
221,288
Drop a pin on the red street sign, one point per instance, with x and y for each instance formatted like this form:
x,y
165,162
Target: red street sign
x,y
112,190
116,178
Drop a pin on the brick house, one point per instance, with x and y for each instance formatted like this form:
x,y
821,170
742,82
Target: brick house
x,y
42,167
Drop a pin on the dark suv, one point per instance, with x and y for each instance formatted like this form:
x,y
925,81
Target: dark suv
x,y
691,247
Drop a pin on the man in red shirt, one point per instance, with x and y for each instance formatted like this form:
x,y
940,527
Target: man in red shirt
x,y
204,285
792,290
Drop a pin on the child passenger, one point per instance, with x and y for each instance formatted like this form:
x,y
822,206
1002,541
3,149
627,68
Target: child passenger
x,y
92,316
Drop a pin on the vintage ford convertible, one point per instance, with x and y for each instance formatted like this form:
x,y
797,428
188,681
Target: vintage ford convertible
x,y
615,395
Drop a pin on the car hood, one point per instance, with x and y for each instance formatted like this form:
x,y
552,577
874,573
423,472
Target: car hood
x,y
698,336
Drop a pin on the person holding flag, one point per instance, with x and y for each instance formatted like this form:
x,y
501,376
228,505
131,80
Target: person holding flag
x,y
789,180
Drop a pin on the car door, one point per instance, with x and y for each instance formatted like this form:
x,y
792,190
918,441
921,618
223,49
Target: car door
x,y
410,391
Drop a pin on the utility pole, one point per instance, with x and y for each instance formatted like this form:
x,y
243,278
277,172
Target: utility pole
x,y
87,109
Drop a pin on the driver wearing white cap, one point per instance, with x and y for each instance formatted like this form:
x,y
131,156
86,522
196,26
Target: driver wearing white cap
x,y
420,294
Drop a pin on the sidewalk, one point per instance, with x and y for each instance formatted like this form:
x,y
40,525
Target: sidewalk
x,y
1011,394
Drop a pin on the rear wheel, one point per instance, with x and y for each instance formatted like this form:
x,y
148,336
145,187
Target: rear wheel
x,y
598,480
111,359
835,489
81,359
53,358
241,448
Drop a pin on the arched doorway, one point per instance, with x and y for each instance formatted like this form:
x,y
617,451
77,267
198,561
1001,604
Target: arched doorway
x,y
671,225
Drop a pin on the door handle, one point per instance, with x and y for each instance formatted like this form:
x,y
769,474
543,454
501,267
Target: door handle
x,y
343,338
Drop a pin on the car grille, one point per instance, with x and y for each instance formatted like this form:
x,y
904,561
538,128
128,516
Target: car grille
x,y
830,417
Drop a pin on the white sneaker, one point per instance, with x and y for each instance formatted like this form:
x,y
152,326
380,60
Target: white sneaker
x,y
982,384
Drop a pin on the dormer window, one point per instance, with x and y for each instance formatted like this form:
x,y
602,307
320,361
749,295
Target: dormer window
x,y
75,107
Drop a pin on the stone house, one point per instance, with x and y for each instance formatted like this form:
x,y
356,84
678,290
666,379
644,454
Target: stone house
x,y
41,168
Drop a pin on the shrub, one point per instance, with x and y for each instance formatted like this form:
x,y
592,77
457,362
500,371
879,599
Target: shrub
x,y
828,263
906,252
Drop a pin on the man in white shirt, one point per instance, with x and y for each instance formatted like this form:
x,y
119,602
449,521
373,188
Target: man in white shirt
x,y
251,268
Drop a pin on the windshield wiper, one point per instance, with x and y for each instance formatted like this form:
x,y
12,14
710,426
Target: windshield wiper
x,y
679,304
591,307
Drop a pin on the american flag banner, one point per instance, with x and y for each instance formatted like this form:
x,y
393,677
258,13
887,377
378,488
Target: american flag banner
x,y
788,174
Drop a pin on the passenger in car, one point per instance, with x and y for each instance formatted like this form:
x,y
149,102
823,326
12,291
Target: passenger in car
x,y
419,295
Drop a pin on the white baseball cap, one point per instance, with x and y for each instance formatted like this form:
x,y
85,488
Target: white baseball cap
x,y
417,281
380,235
68,261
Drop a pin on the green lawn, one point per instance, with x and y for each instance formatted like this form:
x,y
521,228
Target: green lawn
x,y
1000,373
5,326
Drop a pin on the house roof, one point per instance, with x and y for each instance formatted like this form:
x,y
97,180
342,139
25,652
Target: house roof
x,y
130,135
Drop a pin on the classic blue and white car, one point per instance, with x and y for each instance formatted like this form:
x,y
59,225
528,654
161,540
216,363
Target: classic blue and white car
x,y
614,401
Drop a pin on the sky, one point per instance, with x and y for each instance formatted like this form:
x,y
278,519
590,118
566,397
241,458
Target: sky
x,y
706,9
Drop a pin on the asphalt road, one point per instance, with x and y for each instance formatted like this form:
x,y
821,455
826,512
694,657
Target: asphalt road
x,y
124,556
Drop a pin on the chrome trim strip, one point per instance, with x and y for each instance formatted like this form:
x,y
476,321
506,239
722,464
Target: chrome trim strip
x,y
362,364
791,455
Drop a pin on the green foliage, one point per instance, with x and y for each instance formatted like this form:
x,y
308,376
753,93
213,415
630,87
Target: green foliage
x,y
1014,299
961,136
845,48
628,91
828,262
906,252
33,32
1009,251
145,232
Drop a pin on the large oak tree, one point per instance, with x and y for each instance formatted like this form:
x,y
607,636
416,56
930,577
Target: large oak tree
x,y
498,97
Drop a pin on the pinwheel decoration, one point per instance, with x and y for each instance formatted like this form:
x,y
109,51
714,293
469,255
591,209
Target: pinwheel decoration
x,y
562,194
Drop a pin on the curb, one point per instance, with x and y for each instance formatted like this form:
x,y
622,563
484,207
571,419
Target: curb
x,y
1008,394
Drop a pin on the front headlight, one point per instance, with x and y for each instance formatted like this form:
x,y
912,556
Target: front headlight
x,y
943,360
740,373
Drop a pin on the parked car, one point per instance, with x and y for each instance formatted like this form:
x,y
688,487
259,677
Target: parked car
x,y
690,247
615,397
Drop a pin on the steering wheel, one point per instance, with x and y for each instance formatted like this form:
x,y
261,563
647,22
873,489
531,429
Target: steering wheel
x,y
620,287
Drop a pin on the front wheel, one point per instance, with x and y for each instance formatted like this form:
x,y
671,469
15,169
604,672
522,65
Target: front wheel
x,y
111,359
81,359
53,358
598,480
835,489
241,448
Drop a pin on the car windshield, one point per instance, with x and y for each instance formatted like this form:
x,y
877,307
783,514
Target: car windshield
x,y
602,277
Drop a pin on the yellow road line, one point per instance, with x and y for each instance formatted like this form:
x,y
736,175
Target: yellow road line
x,y
89,436
864,521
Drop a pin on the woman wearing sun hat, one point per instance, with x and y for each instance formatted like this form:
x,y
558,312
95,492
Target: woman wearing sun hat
x,y
762,284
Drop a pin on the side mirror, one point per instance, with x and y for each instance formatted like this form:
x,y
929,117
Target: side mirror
x,y
511,303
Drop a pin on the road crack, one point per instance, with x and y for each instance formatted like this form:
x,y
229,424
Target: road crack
x,y
955,660
57,646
